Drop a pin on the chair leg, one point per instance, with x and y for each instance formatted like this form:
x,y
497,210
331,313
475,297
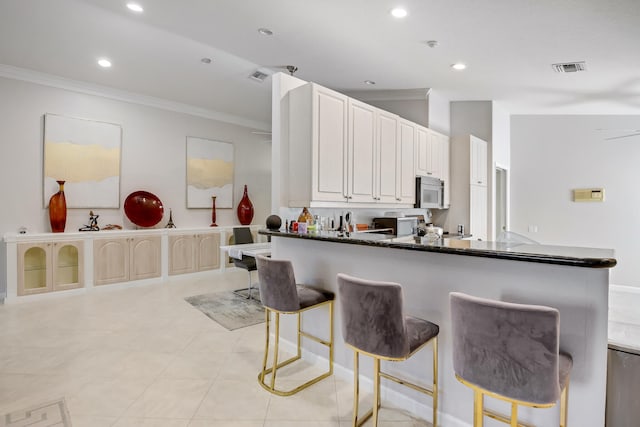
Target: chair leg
x,y
267,318
564,401
435,382
356,387
376,390
275,352
478,411
514,414
299,351
249,285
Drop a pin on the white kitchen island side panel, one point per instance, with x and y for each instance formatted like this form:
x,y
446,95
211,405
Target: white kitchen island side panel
x,y
581,295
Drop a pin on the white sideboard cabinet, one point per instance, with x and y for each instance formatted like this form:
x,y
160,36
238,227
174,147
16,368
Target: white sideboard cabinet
x,y
49,266
123,259
40,264
189,253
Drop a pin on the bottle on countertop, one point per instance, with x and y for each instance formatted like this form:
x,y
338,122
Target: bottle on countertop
x,y
305,216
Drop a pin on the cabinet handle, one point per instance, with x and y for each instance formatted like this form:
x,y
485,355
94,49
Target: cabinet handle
x,y
398,198
429,173
479,182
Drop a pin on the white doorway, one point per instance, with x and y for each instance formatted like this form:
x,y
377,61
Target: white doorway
x,y
501,207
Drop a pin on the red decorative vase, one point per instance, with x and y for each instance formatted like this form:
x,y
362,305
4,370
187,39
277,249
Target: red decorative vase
x,y
213,212
245,209
58,210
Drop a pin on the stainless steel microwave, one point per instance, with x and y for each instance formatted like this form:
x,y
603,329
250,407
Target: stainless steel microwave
x,y
429,193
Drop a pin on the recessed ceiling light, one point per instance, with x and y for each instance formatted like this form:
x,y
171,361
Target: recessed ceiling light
x,y
369,82
458,66
265,31
104,63
399,12
206,60
135,7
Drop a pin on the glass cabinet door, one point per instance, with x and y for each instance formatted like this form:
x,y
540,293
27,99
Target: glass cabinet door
x,y
33,268
67,265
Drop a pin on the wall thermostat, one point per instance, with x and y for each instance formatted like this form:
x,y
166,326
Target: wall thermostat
x,y
588,195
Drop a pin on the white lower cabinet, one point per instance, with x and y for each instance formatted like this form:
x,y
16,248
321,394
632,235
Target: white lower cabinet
x,y
49,266
126,258
189,253
478,211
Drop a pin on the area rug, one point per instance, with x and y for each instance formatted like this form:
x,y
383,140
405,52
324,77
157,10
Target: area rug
x,y
48,414
230,310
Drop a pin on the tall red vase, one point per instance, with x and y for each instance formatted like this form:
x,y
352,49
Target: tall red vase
x,y
245,209
213,212
58,210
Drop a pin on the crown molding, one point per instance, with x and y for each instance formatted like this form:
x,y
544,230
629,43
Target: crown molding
x,y
44,79
389,95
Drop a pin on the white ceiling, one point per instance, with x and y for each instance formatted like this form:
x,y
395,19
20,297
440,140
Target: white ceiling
x,y
509,46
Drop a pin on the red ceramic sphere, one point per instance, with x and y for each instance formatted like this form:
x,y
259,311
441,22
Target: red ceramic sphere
x,y
144,209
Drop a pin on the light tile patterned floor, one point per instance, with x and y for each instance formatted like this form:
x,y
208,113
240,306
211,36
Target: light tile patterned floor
x,y
142,356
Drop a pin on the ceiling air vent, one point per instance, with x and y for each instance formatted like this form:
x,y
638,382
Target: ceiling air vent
x,y
569,67
259,75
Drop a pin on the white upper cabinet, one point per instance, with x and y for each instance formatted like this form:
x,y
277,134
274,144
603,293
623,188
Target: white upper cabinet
x,y
478,162
478,211
362,152
317,145
432,153
387,157
406,172
345,151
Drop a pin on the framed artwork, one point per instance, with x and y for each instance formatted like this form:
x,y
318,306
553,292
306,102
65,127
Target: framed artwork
x,y
86,155
209,173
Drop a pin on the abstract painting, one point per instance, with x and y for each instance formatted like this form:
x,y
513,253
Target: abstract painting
x,y
86,155
209,173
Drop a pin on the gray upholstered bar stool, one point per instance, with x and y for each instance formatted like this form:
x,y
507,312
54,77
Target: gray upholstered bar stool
x,y
281,295
374,324
510,352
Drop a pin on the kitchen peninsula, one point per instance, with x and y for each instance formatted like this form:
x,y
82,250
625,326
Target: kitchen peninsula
x,y
573,280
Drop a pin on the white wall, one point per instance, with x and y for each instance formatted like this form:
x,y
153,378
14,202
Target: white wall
x,y
153,157
439,112
552,155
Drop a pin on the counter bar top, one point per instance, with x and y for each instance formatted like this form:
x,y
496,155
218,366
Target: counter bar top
x,y
547,254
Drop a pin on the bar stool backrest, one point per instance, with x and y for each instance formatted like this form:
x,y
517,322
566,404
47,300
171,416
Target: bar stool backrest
x,y
372,316
242,235
506,348
277,284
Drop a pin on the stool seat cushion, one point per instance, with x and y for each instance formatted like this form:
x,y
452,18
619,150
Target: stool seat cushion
x,y
419,331
564,368
247,262
309,296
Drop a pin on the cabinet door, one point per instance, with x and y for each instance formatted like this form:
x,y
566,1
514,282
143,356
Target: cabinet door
x,y
182,254
208,251
67,265
34,268
110,261
330,146
387,136
405,173
446,174
144,257
478,162
361,152
422,150
478,211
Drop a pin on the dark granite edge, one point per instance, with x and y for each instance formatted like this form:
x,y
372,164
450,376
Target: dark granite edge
x,y
483,253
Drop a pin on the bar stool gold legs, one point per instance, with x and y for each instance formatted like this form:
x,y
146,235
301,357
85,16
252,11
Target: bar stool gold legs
x,y
377,374
273,369
479,412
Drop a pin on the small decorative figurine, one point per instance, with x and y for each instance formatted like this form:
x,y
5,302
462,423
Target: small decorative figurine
x,y
170,224
93,223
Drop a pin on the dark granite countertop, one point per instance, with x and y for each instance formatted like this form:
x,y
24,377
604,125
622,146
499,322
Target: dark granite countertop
x,y
561,255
